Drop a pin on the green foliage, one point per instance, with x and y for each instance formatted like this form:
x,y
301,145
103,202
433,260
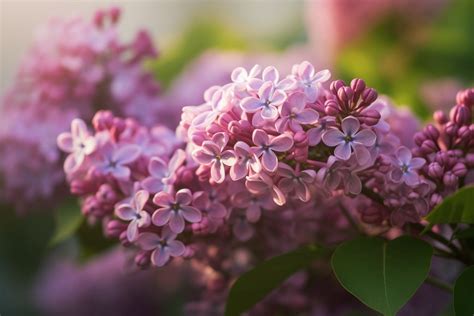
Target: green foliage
x,y
199,37
68,218
255,284
464,293
384,275
92,241
457,208
396,57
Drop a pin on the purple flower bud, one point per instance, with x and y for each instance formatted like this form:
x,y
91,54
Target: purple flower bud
x,y
435,170
336,85
449,179
420,137
106,194
435,199
358,86
451,129
466,97
464,133
428,147
124,239
431,131
440,117
115,228
371,215
345,94
331,107
369,95
459,169
370,117
469,160
461,115
142,259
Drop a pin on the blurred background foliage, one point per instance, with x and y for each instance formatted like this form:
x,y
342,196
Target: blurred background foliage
x,y
392,57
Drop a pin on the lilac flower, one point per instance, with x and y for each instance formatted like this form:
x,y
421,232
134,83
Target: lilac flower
x,y
78,143
253,204
294,114
115,158
204,202
297,181
134,213
246,161
175,210
266,148
315,133
164,246
162,174
241,77
406,167
262,184
351,138
309,80
270,74
266,103
212,153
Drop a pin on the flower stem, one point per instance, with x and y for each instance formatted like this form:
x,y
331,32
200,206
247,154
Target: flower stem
x,y
439,284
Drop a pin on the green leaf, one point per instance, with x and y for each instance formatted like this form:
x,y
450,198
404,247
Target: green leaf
x,y
384,275
68,219
464,234
456,208
464,293
255,284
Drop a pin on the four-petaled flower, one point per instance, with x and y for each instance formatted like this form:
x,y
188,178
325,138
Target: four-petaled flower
x,y
294,114
309,80
134,213
212,153
246,161
265,104
164,246
162,174
266,148
298,181
351,138
406,166
175,210
78,143
115,158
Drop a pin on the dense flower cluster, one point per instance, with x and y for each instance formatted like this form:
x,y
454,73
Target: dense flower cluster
x,y
262,160
75,67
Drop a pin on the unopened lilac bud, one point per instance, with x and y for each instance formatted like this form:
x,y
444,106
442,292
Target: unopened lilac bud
x,y
143,259
115,14
358,86
345,95
370,117
431,131
464,133
124,239
369,95
451,129
466,97
106,194
461,115
428,147
103,120
469,160
99,18
115,228
435,170
435,199
440,117
419,137
371,215
392,202
331,107
459,169
449,179
336,85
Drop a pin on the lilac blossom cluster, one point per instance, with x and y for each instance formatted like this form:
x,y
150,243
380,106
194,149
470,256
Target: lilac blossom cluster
x,y
75,67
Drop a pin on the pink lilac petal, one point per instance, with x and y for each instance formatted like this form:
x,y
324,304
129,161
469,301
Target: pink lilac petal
x,y
365,137
163,199
350,125
343,151
126,154
184,197
176,222
162,216
333,137
191,214
281,143
148,241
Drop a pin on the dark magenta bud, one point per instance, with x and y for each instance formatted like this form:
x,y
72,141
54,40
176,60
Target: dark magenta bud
x,y
115,228
459,169
432,132
345,95
419,138
369,95
451,129
449,179
331,107
440,117
429,146
370,117
435,170
358,86
336,85
143,259
461,115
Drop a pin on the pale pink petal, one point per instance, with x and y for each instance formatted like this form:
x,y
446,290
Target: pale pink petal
x,y
179,157
191,214
217,171
269,112
141,197
157,167
184,197
78,128
160,257
238,171
307,116
411,178
217,210
144,220
286,185
365,137
228,158
126,154
253,213
297,102
176,248
308,176
132,230
89,145
404,155
350,125
278,98
285,171
125,212
70,164
220,139
260,138
322,76
64,142
333,137
120,172
148,241
343,151
362,154
152,185
311,93
203,157
302,192
353,184
239,74
269,160
176,223
251,104
417,163
306,70
241,149
278,196
281,143
265,91
211,148
162,216
270,73
396,175
314,136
